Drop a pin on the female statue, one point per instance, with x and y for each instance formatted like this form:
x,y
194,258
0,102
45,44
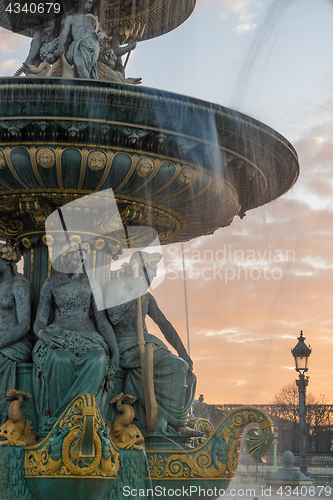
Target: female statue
x,y
174,381
71,357
14,322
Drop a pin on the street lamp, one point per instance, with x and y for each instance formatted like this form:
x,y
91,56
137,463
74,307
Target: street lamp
x,y
275,443
301,353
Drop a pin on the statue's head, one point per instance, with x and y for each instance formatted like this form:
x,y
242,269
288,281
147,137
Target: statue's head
x,y
47,53
9,256
74,255
146,261
85,6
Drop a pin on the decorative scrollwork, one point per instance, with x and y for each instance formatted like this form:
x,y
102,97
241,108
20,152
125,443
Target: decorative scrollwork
x,y
71,458
10,227
66,451
218,456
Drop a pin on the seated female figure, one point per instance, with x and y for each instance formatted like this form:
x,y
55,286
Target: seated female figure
x,y
14,322
174,380
71,357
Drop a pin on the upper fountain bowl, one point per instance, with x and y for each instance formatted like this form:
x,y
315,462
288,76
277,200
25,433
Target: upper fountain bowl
x,y
181,165
150,18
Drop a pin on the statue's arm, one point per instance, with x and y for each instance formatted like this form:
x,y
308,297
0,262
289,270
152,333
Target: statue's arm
x,y
121,50
101,34
168,331
103,324
22,294
64,35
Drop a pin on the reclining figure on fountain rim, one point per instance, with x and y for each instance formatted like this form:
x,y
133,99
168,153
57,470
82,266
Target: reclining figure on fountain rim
x,y
174,380
71,357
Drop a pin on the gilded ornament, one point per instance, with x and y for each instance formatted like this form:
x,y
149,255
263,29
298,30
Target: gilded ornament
x,y
2,160
10,227
8,252
125,435
185,176
16,431
204,425
227,434
145,166
74,246
47,239
96,160
75,238
71,456
78,445
27,243
99,244
45,157
217,457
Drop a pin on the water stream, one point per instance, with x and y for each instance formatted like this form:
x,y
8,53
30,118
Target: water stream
x,y
148,469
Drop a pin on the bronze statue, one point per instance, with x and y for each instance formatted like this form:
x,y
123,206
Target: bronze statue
x,y
14,322
174,381
87,35
120,36
71,357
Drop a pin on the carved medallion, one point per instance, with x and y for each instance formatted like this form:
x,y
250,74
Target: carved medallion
x,y
45,157
144,166
185,176
96,160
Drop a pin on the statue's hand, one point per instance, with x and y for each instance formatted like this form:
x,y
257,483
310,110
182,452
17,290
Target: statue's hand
x,y
101,35
54,341
115,361
131,45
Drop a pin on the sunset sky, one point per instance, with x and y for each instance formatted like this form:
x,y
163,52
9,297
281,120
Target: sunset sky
x,y
272,60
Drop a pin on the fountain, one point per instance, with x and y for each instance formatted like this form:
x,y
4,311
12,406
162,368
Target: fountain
x,y
76,126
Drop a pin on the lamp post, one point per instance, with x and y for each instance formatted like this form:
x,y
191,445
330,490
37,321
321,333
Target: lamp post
x,y
275,443
301,353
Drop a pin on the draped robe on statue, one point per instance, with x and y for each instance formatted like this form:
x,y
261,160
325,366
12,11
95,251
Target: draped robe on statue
x,y
174,386
10,356
14,324
82,364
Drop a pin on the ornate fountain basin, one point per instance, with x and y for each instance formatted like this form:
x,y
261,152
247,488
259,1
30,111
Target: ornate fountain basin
x,y
181,165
